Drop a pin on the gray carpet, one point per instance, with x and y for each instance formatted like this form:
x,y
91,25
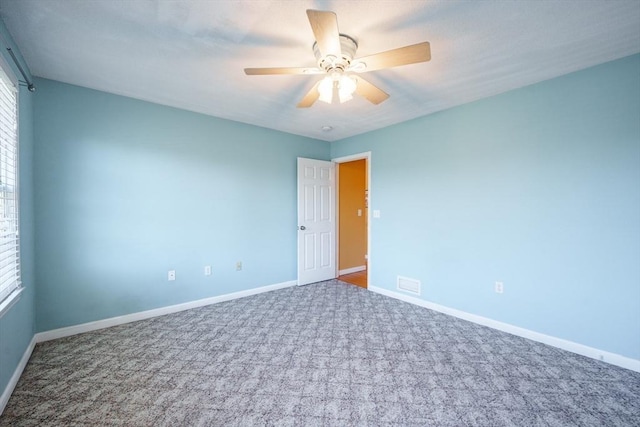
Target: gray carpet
x,y
327,354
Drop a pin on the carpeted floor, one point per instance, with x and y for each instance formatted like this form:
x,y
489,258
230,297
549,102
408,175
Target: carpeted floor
x,y
327,354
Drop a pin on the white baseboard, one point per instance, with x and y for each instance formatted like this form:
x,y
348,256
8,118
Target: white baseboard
x,y
594,353
142,315
352,270
6,394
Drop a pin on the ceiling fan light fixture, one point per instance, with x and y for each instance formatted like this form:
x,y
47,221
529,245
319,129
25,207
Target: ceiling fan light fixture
x,y
325,88
346,87
340,83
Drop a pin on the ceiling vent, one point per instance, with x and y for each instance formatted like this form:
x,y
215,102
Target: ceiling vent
x,y
408,285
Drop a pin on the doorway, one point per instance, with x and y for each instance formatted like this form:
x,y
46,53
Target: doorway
x,y
353,219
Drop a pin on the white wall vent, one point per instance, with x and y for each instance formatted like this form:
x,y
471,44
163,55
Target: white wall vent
x,y
409,285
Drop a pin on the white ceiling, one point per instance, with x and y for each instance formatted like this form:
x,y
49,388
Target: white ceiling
x,y
191,54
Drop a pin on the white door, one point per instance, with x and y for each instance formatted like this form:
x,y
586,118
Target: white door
x,y
316,221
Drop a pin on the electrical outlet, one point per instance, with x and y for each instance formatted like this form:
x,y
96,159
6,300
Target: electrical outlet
x,y
172,275
238,265
499,287
207,270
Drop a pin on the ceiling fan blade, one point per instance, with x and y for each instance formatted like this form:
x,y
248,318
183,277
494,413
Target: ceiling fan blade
x,y
281,70
325,29
420,52
311,97
369,91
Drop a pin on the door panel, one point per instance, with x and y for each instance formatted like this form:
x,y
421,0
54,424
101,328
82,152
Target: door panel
x,y
316,221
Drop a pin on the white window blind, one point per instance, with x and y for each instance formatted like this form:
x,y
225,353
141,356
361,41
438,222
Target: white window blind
x,y
9,230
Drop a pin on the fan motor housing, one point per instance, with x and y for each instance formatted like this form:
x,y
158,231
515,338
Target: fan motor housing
x,y
348,47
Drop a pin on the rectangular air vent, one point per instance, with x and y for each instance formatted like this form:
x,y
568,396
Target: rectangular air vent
x,y
409,285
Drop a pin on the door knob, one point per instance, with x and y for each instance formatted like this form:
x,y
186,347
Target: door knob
x,y
302,227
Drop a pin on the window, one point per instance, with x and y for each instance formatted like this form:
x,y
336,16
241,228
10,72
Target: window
x,y
10,284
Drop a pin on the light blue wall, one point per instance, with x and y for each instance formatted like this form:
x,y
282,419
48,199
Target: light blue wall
x,y
538,187
17,326
126,190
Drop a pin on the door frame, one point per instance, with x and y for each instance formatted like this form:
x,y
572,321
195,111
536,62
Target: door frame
x,y
345,159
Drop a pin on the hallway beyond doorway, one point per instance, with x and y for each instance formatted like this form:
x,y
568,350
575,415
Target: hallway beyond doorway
x,y
358,278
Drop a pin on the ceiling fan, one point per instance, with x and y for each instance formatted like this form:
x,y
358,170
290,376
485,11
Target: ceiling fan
x,y
335,53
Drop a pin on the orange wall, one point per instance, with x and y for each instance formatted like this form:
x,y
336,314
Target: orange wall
x,y
352,184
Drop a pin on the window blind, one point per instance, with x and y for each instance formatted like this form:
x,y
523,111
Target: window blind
x,y
9,230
